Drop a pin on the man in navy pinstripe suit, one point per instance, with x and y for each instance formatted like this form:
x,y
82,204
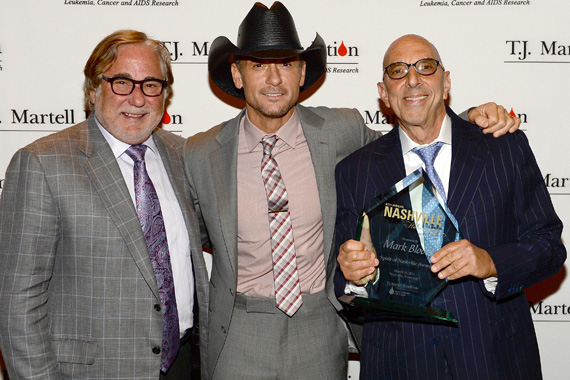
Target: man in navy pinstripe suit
x,y
511,232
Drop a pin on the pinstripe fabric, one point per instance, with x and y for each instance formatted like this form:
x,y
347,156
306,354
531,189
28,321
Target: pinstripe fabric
x,y
77,290
501,203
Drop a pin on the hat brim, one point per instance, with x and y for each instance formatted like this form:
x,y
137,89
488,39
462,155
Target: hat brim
x,y
223,53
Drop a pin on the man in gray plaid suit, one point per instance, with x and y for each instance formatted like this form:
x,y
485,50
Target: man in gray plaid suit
x,y
79,294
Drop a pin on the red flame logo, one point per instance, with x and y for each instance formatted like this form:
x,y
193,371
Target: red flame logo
x,y
166,119
512,113
342,50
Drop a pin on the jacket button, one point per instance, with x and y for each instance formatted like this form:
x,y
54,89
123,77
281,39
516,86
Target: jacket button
x,y
156,350
157,307
231,292
223,329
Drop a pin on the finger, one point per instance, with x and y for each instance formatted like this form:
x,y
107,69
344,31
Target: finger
x,y
516,124
444,251
365,236
357,275
352,245
446,257
498,121
456,269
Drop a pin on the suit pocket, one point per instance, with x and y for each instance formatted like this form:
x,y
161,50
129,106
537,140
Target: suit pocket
x,y
75,351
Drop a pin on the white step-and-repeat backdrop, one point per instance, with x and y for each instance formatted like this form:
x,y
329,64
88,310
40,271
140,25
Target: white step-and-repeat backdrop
x,y
516,53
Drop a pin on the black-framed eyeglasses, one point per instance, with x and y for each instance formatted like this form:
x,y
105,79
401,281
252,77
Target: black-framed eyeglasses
x,y
125,86
424,66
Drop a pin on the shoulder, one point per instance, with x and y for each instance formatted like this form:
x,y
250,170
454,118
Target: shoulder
x,y
169,140
203,142
60,143
338,115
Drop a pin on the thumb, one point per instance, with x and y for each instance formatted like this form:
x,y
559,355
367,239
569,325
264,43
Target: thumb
x,y
365,236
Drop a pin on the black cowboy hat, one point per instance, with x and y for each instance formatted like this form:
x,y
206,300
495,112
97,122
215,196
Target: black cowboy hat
x,y
264,34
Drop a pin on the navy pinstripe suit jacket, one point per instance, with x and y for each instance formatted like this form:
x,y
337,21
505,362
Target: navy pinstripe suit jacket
x,y
499,198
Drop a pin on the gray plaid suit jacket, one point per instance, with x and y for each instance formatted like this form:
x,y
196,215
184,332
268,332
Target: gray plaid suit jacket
x,y
77,288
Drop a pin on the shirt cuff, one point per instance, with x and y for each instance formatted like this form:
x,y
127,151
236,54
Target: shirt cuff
x,y
490,284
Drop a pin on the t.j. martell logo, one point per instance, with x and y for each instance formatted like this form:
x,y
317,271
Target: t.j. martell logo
x,y
522,49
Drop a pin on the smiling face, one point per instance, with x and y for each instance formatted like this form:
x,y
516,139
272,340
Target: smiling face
x,y
271,89
417,100
130,118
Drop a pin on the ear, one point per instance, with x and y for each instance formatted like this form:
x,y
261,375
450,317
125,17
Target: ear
x,y
236,75
446,84
92,96
303,73
383,93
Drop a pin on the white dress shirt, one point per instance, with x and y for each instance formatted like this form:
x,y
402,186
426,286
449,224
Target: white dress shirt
x,y
176,232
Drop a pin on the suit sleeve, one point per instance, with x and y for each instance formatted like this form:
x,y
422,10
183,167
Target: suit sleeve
x,y
537,252
188,161
346,217
29,235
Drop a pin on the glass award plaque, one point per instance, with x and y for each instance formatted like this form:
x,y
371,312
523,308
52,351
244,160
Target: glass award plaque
x,y
404,227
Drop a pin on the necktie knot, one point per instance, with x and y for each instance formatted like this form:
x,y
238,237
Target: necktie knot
x,y
136,152
428,153
268,143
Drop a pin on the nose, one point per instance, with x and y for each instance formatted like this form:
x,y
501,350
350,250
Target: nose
x,y
273,75
137,98
413,78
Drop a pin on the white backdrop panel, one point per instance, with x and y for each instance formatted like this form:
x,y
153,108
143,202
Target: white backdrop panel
x,y
515,54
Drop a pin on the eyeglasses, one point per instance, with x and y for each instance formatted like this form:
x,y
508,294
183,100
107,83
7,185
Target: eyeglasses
x,y
425,66
125,86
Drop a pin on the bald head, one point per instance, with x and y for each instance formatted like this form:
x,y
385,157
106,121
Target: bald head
x,y
410,43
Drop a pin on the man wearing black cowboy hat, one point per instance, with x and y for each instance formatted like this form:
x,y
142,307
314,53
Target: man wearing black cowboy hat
x,y
263,184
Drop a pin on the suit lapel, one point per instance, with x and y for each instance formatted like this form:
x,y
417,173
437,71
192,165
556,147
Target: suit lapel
x,y
107,179
323,149
223,163
387,164
469,156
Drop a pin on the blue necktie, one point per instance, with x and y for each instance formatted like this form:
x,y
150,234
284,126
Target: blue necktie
x,y
428,155
432,238
152,223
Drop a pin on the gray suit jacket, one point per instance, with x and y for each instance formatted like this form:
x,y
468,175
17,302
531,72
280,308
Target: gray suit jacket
x,y
77,288
210,159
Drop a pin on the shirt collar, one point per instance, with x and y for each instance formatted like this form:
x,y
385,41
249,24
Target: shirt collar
x,y
444,136
119,147
287,133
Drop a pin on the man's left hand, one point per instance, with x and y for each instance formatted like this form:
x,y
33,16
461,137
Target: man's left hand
x,y
460,259
494,118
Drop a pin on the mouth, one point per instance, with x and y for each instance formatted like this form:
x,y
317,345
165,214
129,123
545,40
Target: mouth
x,y
416,98
133,115
274,93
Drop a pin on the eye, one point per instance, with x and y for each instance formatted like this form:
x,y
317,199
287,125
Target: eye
x,y
152,85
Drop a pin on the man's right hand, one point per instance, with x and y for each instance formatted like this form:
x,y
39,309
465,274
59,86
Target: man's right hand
x,y
356,262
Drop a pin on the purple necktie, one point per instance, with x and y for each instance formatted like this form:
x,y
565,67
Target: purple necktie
x,y
285,274
150,216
